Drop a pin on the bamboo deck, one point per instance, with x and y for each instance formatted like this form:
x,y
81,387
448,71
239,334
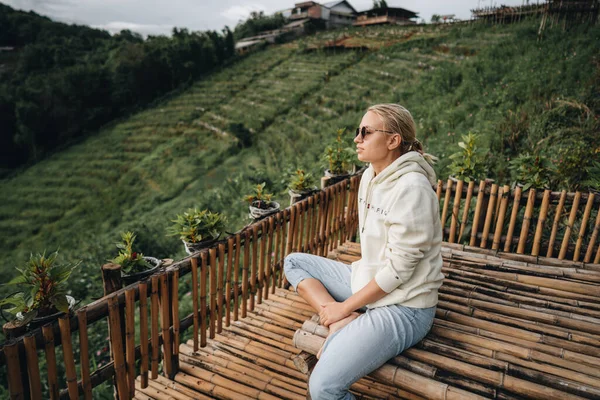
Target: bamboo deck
x,y
506,328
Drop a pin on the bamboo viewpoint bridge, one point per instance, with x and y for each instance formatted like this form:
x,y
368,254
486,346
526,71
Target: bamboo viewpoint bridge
x,y
518,317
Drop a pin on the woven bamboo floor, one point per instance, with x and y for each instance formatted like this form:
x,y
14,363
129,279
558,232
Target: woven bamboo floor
x,y
504,329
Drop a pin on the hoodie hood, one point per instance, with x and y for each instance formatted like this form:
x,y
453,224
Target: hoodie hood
x,y
410,162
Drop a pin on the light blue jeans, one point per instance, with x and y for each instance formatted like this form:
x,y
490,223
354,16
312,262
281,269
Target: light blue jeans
x,y
364,344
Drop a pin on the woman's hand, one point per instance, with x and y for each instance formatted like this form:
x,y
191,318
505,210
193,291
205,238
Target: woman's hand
x,y
332,312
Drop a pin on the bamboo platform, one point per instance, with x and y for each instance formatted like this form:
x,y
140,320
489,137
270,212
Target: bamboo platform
x,y
506,328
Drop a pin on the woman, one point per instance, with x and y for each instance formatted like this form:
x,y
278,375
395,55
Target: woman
x,y
397,278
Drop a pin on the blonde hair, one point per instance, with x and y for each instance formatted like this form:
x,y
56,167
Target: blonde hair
x,y
399,120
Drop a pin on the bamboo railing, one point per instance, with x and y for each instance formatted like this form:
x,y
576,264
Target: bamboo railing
x,y
537,222
228,281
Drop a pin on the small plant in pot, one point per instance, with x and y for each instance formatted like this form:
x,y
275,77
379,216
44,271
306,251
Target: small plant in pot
x,y
134,265
301,185
339,158
260,204
42,295
197,229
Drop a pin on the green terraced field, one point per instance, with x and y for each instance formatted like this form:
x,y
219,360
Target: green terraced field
x,y
139,172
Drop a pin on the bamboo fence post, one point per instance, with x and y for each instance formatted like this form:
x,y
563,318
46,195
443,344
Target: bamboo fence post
x,y
559,208
582,229
154,326
489,216
330,221
290,230
503,205
236,276
513,219
286,216
565,243
203,279
590,248
194,266
270,261
465,215
165,324
597,258
455,211
277,246
297,224
48,335
526,221
261,261
64,324
245,273
212,273
302,225
253,268
143,290
537,240
220,279
438,190
478,207
323,205
449,185
229,279
13,367
309,225
130,339
84,357
175,318
117,348
33,369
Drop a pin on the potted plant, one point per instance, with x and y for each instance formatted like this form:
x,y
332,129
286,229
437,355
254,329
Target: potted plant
x,y
197,229
301,185
467,163
338,158
134,265
260,204
42,295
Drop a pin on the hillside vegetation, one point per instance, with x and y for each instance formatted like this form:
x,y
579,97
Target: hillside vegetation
x,y
520,94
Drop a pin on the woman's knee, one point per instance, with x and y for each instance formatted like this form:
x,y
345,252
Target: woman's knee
x,y
323,387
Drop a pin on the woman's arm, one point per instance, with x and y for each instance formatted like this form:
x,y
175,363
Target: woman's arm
x,y
335,311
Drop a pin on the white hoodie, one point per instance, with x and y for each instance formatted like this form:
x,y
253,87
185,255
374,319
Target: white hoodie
x,y
400,233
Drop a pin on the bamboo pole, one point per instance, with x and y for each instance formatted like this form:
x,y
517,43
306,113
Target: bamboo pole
x,y
582,229
229,279
203,279
261,261
220,279
465,215
290,230
130,339
143,289
438,190
455,211
268,260
449,185
33,370
48,335
513,218
67,347
194,263
165,323
154,326
323,206
309,224
478,207
565,243
13,366
117,348
277,245
526,221
503,205
84,357
212,273
245,279
284,231
175,318
236,276
590,248
557,215
489,215
537,240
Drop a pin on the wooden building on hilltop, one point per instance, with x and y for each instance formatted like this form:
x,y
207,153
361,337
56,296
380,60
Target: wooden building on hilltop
x,y
386,16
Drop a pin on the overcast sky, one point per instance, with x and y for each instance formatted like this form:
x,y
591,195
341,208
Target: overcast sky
x,y
160,16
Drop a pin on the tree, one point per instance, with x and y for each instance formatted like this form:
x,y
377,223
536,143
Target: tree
x,y
435,18
380,4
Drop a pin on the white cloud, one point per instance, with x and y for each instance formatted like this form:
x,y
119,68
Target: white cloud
x,y
144,29
235,13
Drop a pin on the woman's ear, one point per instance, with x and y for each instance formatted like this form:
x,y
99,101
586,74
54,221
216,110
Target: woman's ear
x,y
394,142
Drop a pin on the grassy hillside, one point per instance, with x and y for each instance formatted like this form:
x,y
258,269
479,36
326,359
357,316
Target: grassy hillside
x,y
518,93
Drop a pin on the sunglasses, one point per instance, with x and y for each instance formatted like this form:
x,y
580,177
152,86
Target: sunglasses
x,y
364,132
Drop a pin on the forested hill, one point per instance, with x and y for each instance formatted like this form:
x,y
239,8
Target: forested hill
x,y
276,110
62,81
